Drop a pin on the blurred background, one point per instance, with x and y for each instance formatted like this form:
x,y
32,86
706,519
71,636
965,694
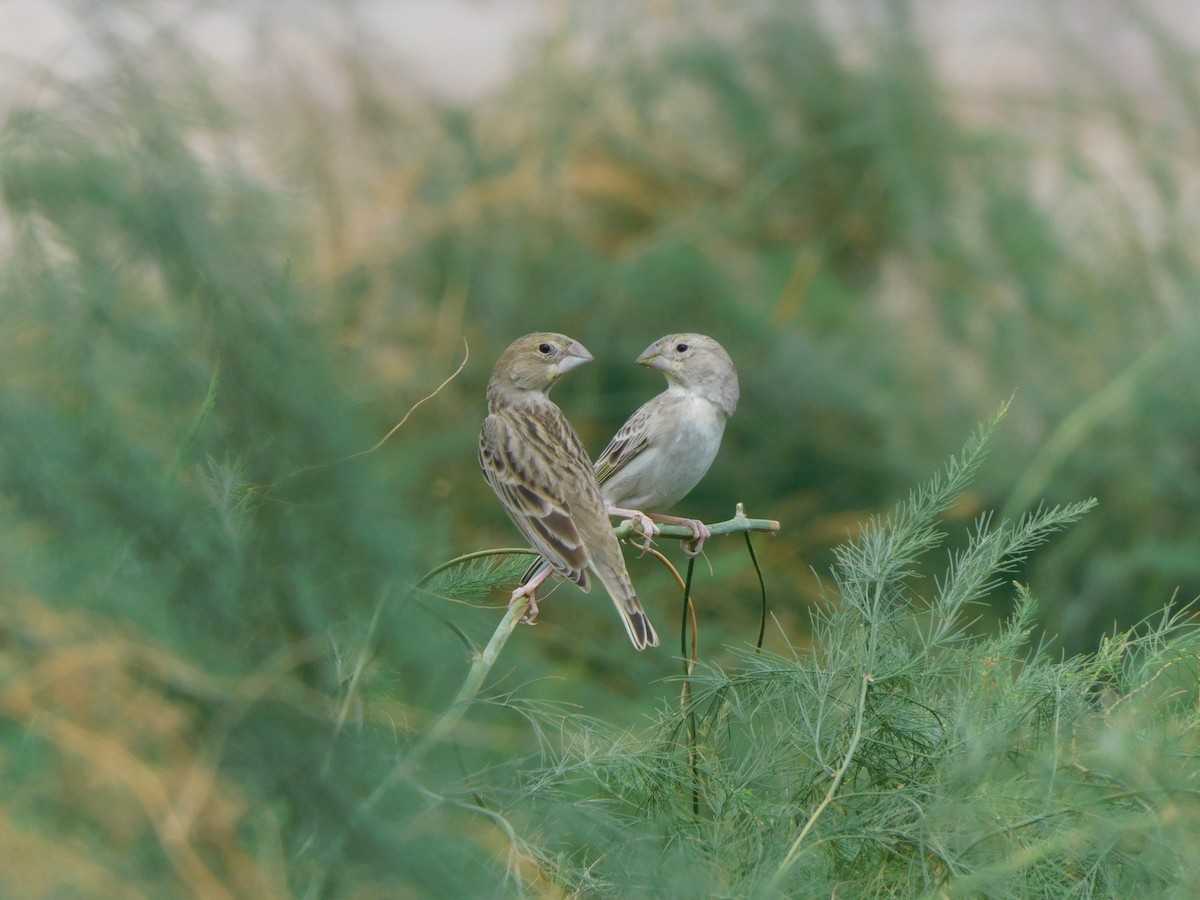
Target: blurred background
x,y
238,244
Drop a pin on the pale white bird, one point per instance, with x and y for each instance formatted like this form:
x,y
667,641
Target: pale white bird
x,y
665,448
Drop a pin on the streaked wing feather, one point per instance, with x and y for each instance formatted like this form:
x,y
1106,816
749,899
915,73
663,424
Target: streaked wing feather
x,y
518,468
627,443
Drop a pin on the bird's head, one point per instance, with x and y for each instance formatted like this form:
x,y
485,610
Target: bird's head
x,y
698,364
534,362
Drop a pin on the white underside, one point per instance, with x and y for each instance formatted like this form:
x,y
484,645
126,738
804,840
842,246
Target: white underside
x,y
677,458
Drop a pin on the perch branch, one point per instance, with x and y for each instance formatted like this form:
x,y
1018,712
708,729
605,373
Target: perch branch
x,y
483,662
737,525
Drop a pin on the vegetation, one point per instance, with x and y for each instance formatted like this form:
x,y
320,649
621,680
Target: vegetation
x,y
221,670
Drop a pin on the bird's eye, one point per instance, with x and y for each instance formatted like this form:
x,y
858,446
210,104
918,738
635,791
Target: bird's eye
x,y
681,348
544,349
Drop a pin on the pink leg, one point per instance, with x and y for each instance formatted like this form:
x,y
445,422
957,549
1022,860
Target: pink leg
x,y
529,589
649,529
699,529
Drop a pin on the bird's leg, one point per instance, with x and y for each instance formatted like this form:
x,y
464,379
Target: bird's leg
x,y
699,529
529,589
649,529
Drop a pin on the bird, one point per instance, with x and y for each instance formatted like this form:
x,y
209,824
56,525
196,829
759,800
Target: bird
x,y
669,443
539,469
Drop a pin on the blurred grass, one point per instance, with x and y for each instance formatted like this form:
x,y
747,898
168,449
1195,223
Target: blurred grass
x,y
215,289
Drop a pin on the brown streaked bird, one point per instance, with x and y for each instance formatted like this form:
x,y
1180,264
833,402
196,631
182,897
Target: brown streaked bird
x,y
539,469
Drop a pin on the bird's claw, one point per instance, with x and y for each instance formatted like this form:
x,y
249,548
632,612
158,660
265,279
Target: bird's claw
x,y
695,545
648,528
523,593
635,517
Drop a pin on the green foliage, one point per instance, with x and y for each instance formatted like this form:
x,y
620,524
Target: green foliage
x,y
220,670
899,755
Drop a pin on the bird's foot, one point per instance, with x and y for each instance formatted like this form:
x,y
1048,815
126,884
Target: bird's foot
x,y
695,544
523,593
702,534
641,520
529,591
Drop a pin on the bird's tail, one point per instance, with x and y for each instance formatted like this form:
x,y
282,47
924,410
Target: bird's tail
x,y
620,588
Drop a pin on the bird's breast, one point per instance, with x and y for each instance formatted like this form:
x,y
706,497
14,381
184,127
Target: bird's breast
x,y
682,447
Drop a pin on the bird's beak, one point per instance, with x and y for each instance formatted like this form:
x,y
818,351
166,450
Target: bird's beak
x,y
576,356
651,358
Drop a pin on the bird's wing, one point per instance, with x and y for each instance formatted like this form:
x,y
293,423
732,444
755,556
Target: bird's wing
x,y
631,439
528,478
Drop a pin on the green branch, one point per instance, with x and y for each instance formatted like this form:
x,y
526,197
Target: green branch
x,y
737,525
472,684
467,557
794,850
483,662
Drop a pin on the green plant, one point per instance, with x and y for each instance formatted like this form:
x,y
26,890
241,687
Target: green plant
x,y
218,288
902,754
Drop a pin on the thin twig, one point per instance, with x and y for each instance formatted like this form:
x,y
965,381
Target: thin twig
x,y
689,665
472,684
412,409
685,697
450,717
206,408
762,588
467,557
738,524
762,584
793,851
441,727
360,667
661,557
383,440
